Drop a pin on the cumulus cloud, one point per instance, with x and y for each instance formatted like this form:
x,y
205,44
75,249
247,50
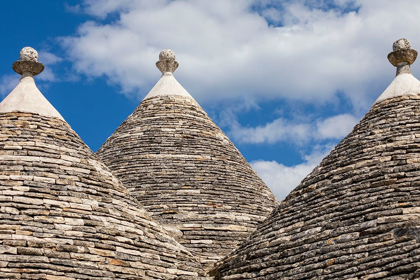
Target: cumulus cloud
x,y
300,51
104,7
73,9
280,129
335,127
48,59
283,179
304,50
8,83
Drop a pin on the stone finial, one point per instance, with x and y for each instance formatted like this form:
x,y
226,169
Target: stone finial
x,y
28,54
402,56
167,62
401,44
28,63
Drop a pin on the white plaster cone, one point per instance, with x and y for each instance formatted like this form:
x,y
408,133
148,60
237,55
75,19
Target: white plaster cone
x,y
26,97
402,56
403,84
168,85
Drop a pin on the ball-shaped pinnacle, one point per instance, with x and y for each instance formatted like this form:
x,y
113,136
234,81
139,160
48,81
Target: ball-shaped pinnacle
x,y
401,44
167,61
28,54
28,63
167,55
402,53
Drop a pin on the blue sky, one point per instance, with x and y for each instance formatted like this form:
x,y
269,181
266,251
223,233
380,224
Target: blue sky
x,y
285,80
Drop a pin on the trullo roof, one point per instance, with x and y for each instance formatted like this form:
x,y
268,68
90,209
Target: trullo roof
x,y
356,216
63,215
185,171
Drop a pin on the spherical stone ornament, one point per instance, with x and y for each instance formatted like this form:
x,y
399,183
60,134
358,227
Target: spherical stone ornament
x,y
402,53
401,44
167,63
167,55
28,54
28,63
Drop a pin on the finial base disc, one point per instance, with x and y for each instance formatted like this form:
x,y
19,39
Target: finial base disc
x,y
402,55
32,67
167,66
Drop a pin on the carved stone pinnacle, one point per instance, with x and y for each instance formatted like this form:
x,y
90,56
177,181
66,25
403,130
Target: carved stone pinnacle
x,y
402,52
28,63
167,62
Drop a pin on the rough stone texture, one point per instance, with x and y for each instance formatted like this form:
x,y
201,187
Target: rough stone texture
x,y
167,62
356,216
401,56
188,175
28,54
28,63
23,67
402,53
64,216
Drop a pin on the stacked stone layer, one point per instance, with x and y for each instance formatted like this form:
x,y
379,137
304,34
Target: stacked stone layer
x,y
188,175
64,216
356,216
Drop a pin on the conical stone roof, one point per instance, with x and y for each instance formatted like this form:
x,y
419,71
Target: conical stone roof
x,y
356,216
185,171
63,215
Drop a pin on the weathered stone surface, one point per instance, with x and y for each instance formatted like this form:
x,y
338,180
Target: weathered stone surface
x,y
402,53
26,97
356,216
64,216
167,61
28,62
188,174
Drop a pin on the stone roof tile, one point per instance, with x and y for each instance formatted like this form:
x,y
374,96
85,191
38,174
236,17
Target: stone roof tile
x,y
185,170
63,215
356,215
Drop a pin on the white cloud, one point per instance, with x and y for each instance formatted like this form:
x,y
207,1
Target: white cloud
x,y
73,9
282,179
227,50
335,127
48,59
8,83
104,7
273,132
281,130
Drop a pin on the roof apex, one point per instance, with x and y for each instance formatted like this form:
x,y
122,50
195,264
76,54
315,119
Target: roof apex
x,y
404,83
26,97
168,85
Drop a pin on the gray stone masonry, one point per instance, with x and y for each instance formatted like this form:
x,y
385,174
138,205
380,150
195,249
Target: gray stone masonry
x,y
64,216
188,175
356,216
